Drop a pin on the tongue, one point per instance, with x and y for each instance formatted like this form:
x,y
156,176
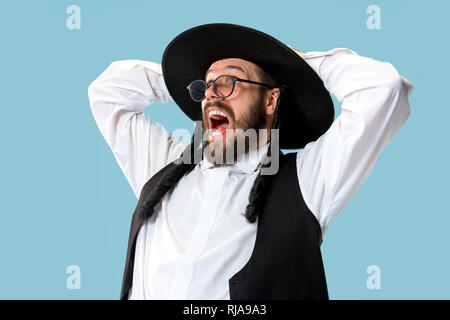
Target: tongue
x,y
223,127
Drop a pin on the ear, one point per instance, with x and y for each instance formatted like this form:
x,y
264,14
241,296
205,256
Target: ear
x,y
271,101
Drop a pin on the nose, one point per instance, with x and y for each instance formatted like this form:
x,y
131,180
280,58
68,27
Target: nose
x,y
210,92
210,96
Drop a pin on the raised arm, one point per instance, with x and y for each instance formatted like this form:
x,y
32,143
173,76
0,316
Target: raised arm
x,y
117,98
374,106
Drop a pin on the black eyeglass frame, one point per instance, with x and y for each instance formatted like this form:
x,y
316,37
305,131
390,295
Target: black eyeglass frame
x,y
234,80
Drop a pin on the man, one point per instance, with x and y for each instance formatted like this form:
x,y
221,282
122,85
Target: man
x,y
211,230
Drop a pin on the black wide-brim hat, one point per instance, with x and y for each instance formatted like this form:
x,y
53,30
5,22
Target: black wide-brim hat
x,y
306,110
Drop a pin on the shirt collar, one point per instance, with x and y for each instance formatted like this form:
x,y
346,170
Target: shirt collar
x,y
248,163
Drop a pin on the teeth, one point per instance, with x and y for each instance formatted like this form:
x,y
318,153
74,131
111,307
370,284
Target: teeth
x,y
215,132
213,114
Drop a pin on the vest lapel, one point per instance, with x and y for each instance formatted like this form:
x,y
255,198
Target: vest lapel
x,y
139,216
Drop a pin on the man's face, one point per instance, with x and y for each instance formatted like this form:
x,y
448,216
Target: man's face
x,y
249,106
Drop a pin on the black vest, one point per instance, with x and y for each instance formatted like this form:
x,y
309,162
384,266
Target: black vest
x,y
286,262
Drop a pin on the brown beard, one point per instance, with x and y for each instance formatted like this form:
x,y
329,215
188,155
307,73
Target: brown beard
x,y
254,118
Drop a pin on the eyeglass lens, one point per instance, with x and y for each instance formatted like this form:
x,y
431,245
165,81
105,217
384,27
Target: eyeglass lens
x,y
197,90
224,85
223,88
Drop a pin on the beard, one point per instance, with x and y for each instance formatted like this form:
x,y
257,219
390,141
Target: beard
x,y
241,139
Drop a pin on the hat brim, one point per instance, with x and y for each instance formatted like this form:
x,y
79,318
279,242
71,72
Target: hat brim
x,y
306,110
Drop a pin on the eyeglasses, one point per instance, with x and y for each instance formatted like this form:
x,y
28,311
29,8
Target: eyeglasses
x,y
223,87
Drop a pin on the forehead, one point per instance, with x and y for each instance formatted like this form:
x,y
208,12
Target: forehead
x,y
237,65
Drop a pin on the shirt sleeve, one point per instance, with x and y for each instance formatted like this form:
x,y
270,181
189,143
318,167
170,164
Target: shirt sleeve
x,y
374,106
117,99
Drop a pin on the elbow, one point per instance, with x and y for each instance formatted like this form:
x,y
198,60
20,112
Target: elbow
x,y
95,91
400,90
91,90
393,78
401,86
395,81
394,84
93,96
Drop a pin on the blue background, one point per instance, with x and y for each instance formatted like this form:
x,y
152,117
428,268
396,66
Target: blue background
x,y
64,200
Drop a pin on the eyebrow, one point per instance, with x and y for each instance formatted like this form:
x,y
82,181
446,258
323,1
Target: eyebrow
x,y
228,67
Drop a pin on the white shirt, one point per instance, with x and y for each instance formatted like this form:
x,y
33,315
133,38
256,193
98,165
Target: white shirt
x,y
197,239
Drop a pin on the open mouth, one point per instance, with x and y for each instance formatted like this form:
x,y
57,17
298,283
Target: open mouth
x,y
218,122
